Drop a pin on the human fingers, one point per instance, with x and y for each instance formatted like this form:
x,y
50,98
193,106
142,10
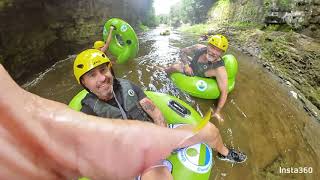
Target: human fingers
x,y
70,144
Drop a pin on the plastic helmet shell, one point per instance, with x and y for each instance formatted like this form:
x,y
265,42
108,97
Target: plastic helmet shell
x,y
98,44
219,41
87,60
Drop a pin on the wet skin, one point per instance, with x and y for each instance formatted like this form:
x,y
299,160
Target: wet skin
x,y
44,139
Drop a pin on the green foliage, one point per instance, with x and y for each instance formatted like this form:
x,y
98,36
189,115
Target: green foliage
x,y
220,12
272,27
163,19
285,4
176,15
197,29
245,24
190,11
5,3
143,27
278,27
285,28
275,47
150,18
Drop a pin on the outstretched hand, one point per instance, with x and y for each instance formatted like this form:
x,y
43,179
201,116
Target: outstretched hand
x,y
44,139
217,115
188,70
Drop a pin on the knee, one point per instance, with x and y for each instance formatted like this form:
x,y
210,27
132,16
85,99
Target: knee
x,y
157,173
213,129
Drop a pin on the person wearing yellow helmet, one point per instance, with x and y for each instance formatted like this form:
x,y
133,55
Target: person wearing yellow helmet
x,y
103,46
112,97
98,45
92,69
59,143
206,62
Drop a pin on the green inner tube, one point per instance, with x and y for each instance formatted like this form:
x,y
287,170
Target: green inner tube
x,y
190,163
124,44
206,88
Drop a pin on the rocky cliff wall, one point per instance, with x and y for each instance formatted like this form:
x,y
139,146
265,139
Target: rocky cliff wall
x,y
294,57
301,15
36,34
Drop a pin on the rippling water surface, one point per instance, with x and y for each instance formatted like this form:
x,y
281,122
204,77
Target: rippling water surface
x,y
261,117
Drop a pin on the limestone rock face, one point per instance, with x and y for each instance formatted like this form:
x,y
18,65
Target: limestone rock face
x,y
302,15
36,34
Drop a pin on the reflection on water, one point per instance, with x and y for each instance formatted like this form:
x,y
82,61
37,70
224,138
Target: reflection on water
x,y
261,118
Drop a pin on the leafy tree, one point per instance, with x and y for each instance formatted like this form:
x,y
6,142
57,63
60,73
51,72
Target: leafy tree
x,y
150,19
163,19
176,15
190,11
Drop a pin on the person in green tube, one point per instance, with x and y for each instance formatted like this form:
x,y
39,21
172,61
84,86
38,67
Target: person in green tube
x,y
45,139
206,62
112,97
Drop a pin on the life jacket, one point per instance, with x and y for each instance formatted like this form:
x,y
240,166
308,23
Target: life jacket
x,y
131,104
199,68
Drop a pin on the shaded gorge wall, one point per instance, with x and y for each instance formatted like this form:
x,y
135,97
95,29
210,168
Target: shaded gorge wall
x,y
36,34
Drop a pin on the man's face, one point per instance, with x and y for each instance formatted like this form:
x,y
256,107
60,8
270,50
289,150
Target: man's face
x,y
99,81
213,53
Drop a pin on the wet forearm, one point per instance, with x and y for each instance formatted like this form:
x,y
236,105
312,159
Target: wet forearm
x,y
75,144
184,57
43,139
222,80
222,101
151,109
159,119
106,46
185,52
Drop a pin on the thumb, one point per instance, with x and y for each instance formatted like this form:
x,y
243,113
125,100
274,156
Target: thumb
x,y
72,143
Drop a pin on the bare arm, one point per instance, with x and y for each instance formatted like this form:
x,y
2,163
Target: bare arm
x,y
153,111
184,66
188,51
222,81
44,139
106,46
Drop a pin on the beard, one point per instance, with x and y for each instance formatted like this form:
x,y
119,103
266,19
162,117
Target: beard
x,y
211,58
106,92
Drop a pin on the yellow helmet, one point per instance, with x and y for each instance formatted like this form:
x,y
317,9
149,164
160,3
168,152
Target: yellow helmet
x,y
87,60
219,41
98,44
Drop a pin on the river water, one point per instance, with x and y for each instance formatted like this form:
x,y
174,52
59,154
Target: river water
x,y
261,116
